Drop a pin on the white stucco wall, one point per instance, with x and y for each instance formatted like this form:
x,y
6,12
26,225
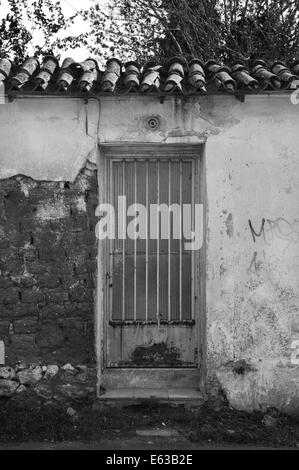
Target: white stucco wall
x,y
253,287
47,139
252,161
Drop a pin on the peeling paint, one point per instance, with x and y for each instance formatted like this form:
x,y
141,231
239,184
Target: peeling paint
x,y
222,270
52,211
81,204
268,385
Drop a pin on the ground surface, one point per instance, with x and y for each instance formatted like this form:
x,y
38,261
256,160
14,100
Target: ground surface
x,y
80,425
119,444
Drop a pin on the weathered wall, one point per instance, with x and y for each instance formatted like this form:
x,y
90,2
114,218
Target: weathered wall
x,y
252,283
48,269
47,139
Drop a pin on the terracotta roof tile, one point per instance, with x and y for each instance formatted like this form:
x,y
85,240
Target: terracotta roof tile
x,y
111,75
196,76
46,72
24,74
66,75
221,75
131,76
295,67
175,76
150,78
5,69
243,77
287,78
265,78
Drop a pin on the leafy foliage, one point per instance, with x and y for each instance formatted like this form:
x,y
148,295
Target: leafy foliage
x,y
23,19
200,28
156,29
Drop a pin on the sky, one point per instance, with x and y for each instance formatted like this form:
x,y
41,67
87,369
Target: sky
x,y
69,8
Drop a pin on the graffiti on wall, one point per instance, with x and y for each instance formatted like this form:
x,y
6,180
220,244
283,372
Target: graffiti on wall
x,y
279,228
287,233
283,234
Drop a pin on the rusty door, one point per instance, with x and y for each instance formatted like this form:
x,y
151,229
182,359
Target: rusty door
x,y
151,283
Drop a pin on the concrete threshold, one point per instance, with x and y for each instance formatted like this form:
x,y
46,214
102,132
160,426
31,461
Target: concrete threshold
x,y
153,394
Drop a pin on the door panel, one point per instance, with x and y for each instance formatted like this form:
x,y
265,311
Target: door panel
x,y
151,321
150,346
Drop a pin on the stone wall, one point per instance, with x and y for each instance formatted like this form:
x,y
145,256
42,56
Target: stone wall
x,y
48,382
48,255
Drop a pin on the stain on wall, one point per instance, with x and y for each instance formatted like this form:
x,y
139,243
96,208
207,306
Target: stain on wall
x,y
156,355
229,225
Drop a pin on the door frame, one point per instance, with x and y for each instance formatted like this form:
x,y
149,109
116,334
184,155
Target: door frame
x,y
135,150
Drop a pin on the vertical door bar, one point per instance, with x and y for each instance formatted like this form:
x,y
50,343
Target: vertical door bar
x,y
135,243
158,241
146,246
181,240
111,245
169,242
194,170
123,242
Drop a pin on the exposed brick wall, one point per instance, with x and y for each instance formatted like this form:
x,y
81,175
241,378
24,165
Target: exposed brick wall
x,y
48,256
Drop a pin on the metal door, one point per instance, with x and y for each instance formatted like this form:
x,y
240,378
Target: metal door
x,y
152,283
